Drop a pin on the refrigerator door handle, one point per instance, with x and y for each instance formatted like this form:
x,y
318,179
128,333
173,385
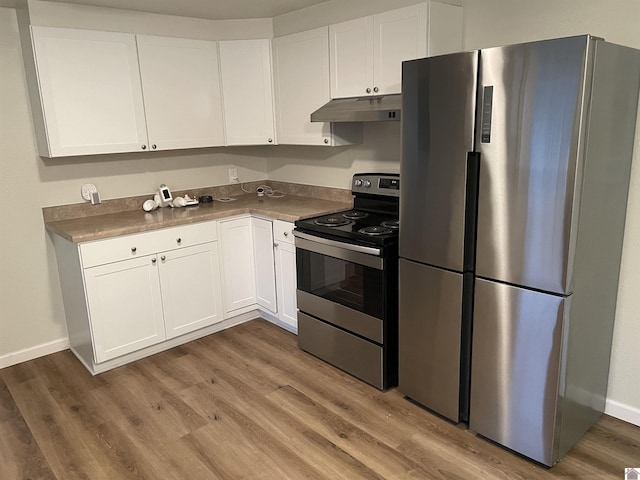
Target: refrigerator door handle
x,y
471,211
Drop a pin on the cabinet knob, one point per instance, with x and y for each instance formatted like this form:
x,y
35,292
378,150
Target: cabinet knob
x,y
375,89
326,140
275,245
154,260
144,147
270,140
163,258
178,240
134,249
286,234
368,90
154,146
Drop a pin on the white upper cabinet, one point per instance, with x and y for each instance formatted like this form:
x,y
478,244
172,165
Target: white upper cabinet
x,y
367,53
182,98
90,92
301,74
398,35
247,92
351,58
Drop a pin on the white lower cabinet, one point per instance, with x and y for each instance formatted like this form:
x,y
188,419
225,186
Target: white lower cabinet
x,y
259,268
125,306
190,283
262,232
140,302
130,296
238,266
285,262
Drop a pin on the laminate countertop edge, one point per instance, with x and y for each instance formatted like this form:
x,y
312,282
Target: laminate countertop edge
x,y
288,208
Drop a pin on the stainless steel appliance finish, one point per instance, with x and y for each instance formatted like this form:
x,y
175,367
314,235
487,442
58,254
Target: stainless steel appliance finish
x,y
360,254
348,283
435,147
516,369
526,232
348,352
538,247
360,109
429,353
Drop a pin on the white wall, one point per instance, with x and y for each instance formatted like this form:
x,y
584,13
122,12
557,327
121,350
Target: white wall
x,y
31,311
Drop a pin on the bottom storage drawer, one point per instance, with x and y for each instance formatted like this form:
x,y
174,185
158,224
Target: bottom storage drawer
x,y
348,352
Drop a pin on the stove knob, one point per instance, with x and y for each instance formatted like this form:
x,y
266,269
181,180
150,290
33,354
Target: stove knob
x,y
357,182
366,184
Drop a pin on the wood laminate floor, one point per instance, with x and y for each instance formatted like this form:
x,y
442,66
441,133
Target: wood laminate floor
x,y
247,404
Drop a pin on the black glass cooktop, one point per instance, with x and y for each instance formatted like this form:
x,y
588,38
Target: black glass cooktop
x,y
355,226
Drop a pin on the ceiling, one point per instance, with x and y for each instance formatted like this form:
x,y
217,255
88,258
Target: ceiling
x,y
210,9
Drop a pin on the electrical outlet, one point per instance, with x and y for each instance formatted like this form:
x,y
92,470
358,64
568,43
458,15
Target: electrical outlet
x,y
233,175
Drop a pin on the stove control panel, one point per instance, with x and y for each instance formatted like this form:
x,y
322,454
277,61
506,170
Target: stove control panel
x,y
386,184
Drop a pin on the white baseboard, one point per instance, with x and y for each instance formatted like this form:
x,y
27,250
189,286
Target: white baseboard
x,y
30,353
623,412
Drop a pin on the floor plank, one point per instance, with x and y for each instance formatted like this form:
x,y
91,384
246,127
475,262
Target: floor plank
x,y
20,455
246,403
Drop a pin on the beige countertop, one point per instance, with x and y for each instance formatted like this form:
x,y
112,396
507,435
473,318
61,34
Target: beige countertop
x,y
288,208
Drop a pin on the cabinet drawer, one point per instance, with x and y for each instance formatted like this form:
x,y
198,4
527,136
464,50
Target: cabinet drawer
x,y
148,243
283,231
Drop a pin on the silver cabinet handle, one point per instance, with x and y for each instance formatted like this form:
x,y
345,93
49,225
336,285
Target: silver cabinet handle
x,y
375,89
368,90
134,249
154,146
326,140
178,240
154,260
286,234
270,140
163,258
144,147
275,245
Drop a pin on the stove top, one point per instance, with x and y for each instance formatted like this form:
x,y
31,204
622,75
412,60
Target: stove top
x,y
366,229
374,218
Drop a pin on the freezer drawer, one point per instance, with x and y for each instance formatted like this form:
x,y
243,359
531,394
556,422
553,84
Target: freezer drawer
x,y
342,349
430,337
515,368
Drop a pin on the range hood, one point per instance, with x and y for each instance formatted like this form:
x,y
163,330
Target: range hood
x,y
360,109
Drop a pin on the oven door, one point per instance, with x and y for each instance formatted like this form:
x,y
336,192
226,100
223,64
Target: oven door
x,y
342,284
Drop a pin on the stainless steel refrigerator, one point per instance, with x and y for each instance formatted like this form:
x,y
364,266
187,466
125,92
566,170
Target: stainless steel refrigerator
x,y
515,174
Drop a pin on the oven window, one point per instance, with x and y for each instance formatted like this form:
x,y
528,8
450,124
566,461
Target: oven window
x,y
349,284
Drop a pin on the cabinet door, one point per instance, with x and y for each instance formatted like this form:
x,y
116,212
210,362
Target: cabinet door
x,y
351,54
398,35
247,91
182,98
262,231
285,259
190,282
125,306
90,91
301,73
236,244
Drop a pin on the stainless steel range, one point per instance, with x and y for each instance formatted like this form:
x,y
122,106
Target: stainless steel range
x,y
347,267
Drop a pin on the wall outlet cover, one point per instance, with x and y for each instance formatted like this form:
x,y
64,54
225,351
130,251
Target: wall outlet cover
x,y
87,190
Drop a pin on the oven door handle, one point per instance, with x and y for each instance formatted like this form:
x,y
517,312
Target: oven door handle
x,y
368,256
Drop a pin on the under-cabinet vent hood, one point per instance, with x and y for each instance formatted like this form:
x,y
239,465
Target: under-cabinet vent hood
x,y
360,109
